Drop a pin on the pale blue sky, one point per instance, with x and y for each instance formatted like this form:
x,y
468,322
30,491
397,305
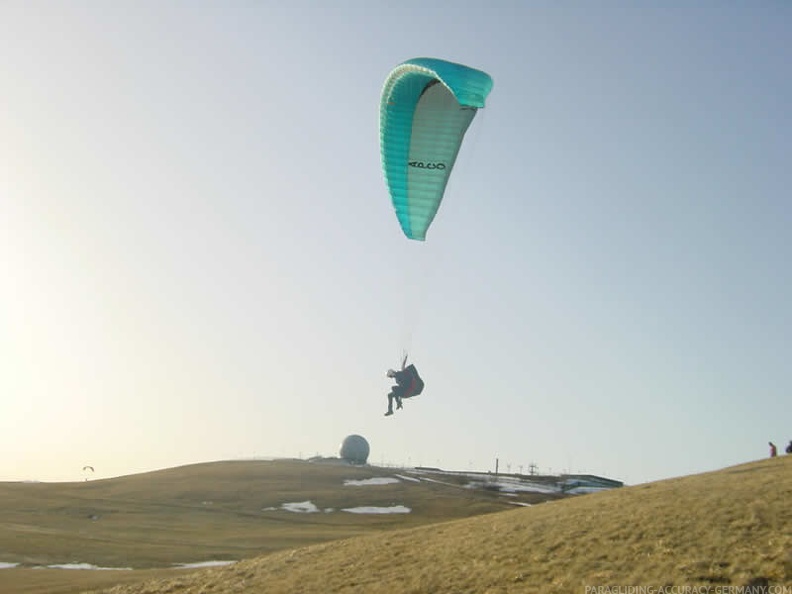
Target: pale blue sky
x,y
200,260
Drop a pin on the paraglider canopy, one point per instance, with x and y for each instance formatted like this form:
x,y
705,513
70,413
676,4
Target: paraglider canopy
x,y
426,107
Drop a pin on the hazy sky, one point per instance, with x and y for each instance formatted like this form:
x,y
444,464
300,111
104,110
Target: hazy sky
x,y
199,259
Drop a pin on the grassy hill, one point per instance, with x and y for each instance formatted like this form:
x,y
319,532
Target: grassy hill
x,y
727,527
730,527
203,512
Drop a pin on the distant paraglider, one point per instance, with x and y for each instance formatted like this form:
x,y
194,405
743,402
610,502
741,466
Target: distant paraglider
x,y
425,109
88,471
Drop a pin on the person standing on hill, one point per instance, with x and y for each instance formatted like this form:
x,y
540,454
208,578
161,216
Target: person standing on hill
x,y
789,447
773,449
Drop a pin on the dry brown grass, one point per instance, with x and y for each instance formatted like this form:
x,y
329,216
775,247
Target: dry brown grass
x,y
63,581
201,512
725,527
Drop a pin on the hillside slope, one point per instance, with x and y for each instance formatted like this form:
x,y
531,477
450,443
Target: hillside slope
x,y
726,527
213,511
220,510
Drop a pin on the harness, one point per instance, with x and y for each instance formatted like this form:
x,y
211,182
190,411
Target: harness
x,y
415,384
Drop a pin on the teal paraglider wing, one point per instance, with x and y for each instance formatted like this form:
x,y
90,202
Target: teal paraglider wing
x,y
426,107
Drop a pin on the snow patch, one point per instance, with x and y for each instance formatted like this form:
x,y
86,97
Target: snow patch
x,y
384,480
302,507
87,566
394,509
506,486
408,478
4,565
584,490
203,564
